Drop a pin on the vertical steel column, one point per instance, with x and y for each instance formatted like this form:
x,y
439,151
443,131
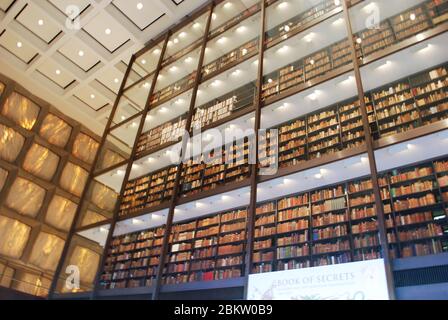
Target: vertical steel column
x,y
90,178
254,167
371,155
174,197
128,171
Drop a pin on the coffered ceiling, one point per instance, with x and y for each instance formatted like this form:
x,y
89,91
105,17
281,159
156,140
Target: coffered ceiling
x,y
73,53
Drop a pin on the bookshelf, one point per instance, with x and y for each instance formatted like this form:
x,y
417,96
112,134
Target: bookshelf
x,y
132,259
328,225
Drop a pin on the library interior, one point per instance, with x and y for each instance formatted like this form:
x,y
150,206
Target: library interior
x,y
220,149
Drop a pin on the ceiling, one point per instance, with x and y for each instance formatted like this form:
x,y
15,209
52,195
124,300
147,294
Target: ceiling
x,y
73,53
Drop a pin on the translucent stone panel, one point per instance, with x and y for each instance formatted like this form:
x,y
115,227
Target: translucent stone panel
x,y
25,197
21,110
3,176
2,88
73,179
41,162
109,158
46,251
32,284
91,217
6,276
55,130
13,237
103,197
60,213
11,143
85,148
87,262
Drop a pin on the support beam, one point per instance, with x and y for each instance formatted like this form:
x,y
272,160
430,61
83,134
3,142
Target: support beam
x,y
371,155
174,198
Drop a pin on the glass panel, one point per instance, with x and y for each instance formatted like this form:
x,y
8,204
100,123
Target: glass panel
x,y
47,250
60,213
126,133
25,197
229,13
55,130
41,162
11,143
145,64
284,19
389,23
185,40
14,237
307,58
73,179
233,46
85,148
133,100
21,110
176,78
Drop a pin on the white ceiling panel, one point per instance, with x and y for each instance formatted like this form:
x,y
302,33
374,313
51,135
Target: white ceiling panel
x,y
5,4
92,98
111,78
17,46
79,53
141,13
35,20
107,31
55,73
66,5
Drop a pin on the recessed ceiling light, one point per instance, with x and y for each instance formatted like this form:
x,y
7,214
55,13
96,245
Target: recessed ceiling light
x,y
143,61
139,6
19,44
173,69
188,60
282,5
156,51
287,28
196,25
412,16
116,80
228,5
241,29
214,16
108,31
81,53
58,72
92,96
358,40
183,34
40,22
176,40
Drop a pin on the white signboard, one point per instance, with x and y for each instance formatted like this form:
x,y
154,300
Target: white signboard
x,y
365,280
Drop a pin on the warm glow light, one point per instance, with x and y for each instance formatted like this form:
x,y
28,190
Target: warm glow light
x,y
108,31
228,5
412,16
92,96
58,72
156,51
241,29
196,25
19,44
116,80
420,37
282,5
183,34
40,22
309,37
139,6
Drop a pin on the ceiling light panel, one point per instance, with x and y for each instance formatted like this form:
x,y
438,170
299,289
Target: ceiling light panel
x,y
36,21
111,78
91,98
17,46
55,73
5,4
79,53
143,17
98,27
64,5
